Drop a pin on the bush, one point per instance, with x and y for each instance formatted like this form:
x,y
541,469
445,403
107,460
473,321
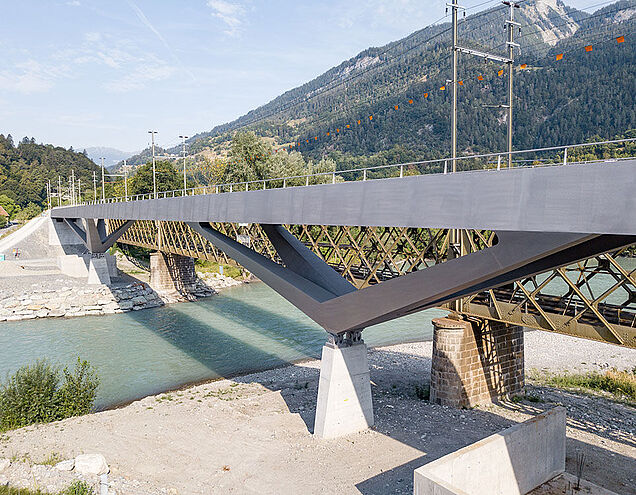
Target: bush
x,y
30,211
36,394
78,488
3,221
75,488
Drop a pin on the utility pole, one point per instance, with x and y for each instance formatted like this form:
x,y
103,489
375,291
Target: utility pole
x,y
455,8
103,184
184,163
72,187
79,191
154,169
455,249
59,190
94,186
511,24
48,193
125,181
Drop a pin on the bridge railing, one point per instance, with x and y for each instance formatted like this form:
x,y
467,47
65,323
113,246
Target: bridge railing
x,y
469,163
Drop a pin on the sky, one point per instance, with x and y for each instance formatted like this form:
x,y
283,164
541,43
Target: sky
x,y
86,73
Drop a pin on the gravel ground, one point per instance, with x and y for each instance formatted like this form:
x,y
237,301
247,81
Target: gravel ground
x,y
252,434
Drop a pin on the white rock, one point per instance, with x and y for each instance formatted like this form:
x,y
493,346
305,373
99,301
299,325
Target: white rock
x,y
4,464
67,465
91,464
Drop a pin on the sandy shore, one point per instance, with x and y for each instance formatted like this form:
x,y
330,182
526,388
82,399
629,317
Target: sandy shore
x,y
252,434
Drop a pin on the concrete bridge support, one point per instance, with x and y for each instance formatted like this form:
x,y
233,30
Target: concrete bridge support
x,y
172,272
475,362
344,391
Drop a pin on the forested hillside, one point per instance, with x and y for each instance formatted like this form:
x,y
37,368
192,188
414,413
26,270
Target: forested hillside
x,y
583,95
26,168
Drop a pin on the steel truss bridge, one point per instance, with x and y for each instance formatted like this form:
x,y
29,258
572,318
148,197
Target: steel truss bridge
x,y
540,247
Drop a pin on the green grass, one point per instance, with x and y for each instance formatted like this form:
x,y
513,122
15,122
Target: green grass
x,y
213,267
75,488
7,490
621,385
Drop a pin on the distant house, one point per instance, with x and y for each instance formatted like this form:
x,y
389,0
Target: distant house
x,y
3,213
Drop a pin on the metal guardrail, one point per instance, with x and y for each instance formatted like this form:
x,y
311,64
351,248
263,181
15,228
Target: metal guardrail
x,y
304,180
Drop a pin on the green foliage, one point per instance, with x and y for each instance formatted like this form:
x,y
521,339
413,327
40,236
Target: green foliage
x,y
620,384
3,221
7,490
30,211
36,394
77,394
168,179
251,158
423,392
214,267
9,205
78,488
26,168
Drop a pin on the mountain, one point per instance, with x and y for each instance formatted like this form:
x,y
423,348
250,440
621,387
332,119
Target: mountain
x,y
585,94
111,155
26,168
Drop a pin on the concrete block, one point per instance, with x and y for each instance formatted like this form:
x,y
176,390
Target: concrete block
x,y
344,391
73,265
514,461
98,271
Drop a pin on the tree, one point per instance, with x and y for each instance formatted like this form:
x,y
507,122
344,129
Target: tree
x,y
31,211
168,179
9,205
248,158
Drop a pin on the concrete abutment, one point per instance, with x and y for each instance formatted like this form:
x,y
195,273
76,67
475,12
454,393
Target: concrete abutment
x,y
344,402
475,362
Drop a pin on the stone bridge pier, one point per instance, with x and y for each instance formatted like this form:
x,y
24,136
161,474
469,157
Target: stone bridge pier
x,y
475,362
172,273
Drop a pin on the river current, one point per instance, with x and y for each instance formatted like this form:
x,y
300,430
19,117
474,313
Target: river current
x,y
243,329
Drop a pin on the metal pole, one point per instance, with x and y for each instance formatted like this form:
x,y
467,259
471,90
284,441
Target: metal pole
x,y
511,53
94,186
73,187
59,191
154,168
79,191
126,184
184,163
103,183
455,7
565,156
455,234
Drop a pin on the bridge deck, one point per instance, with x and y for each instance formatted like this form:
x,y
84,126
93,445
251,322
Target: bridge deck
x,y
581,198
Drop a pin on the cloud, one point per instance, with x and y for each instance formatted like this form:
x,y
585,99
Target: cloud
x,y
30,77
230,13
146,22
140,77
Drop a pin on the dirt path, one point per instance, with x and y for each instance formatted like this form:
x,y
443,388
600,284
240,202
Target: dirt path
x,y
252,434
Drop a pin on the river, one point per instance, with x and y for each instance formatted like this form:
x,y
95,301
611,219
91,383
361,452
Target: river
x,y
243,329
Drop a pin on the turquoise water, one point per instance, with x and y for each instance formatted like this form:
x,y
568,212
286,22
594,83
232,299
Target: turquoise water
x,y
243,329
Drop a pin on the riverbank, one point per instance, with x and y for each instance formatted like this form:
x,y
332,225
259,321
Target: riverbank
x,y
252,434
52,296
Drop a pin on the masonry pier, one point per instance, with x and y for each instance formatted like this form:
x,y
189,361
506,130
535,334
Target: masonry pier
x,y
475,362
172,273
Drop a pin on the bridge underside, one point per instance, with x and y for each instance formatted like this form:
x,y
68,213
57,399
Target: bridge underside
x,y
569,283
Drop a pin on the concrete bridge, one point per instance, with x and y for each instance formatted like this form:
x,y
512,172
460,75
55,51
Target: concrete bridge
x,y
488,244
